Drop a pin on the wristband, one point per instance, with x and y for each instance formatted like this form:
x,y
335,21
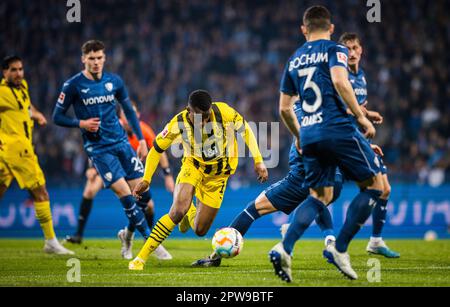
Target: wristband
x,y
166,171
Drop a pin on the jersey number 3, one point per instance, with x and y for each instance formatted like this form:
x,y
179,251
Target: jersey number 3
x,y
310,84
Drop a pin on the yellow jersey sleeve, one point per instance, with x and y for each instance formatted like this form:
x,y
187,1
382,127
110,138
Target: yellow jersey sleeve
x,y
161,143
240,125
166,137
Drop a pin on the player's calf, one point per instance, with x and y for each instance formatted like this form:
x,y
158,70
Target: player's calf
x,y
183,196
204,218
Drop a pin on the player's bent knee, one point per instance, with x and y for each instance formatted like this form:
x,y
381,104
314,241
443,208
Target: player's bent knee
x,y
178,211
377,183
263,205
89,193
386,191
325,196
201,231
374,183
40,194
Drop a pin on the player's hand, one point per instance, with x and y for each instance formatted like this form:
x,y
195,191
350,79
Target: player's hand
x,y
377,149
91,173
91,124
375,117
367,126
169,183
140,188
40,118
261,171
298,146
142,150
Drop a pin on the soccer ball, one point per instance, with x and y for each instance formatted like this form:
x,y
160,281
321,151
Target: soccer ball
x,y
227,242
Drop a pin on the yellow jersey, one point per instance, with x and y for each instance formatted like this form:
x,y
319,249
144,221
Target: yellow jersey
x,y
16,125
213,147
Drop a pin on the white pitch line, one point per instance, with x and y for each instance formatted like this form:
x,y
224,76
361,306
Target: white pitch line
x,y
217,272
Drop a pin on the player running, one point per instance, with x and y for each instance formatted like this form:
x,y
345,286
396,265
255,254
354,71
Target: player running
x,y
357,78
93,94
94,184
207,131
17,158
317,72
285,196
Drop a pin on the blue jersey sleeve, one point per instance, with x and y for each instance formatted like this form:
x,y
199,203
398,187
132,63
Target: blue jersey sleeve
x,y
65,100
125,102
287,85
338,56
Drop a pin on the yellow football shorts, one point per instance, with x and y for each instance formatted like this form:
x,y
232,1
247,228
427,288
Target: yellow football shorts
x,y
20,163
209,188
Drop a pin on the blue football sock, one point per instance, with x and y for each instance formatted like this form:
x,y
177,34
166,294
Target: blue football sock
x,y
379,217
357,214
303,216
135,216
324,219
337,189
325,222
245,219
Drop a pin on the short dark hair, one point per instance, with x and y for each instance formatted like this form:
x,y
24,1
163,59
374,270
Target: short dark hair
x,y
8,60
349,37
317,18
201,100
92,45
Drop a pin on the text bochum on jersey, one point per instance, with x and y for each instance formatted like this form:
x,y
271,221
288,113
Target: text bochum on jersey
x,y
307,74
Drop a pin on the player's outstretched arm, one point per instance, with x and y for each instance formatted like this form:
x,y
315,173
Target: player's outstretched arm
x,y
160,145
150,167
339,76
250,140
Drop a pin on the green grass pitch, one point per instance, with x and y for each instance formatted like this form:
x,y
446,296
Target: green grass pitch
x,y
24,264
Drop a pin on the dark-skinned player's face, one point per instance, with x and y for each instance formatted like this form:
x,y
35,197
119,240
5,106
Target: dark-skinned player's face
x,y
355,51
94,62
196,114
14,74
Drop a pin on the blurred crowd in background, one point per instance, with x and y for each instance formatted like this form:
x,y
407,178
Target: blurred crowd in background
x,y
237,50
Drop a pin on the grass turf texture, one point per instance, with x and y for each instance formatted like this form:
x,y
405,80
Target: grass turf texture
x,y
24,264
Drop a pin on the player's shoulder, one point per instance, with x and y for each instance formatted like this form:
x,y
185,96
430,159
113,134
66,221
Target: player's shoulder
x,y
3,84
73,80
226,110
179,117
112,77
223,106
25,84
337,46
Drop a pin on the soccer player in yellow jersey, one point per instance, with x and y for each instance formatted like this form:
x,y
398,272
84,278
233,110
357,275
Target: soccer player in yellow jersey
x,y
207,131
17,158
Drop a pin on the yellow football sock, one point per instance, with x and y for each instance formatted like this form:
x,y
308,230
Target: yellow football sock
x,y
44,216
191,215
160,232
